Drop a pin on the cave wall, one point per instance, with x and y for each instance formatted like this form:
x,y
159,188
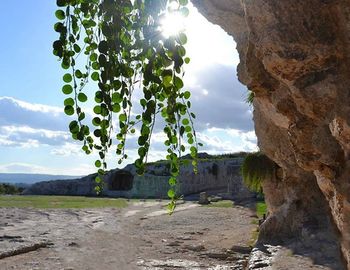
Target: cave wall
x,y
294,56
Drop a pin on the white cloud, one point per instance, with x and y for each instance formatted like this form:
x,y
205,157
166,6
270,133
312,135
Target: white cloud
x,y
15,112
68,149
24,144
218,140
24,136
218,99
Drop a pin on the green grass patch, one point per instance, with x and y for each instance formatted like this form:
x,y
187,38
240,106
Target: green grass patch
x,y
60,202
253,238
221,204
255,221
261,209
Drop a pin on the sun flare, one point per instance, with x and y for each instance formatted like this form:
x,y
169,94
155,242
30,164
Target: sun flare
x,y
172,24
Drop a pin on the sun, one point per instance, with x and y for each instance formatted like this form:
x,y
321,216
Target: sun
x,y
173,22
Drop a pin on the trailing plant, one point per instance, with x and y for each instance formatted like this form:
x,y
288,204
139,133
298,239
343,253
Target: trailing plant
x,y
118,46
256,167
250,97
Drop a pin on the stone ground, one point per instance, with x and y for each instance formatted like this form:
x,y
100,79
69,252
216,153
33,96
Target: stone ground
x,y
141,236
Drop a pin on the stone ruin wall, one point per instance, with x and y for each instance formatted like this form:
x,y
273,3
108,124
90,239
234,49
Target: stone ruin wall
x,y
213,176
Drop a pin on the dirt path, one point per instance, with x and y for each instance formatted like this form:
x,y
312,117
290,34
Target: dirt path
x,y
141,236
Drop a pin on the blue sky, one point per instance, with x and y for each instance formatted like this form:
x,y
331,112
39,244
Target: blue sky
x,y
33,128
28,70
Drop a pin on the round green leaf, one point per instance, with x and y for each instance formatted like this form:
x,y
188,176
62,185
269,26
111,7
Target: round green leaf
x,y
122,117
187,95
96,121
172,181
171,193
67,78
67,89
74,127
98,180
142,140
59,27
95,76
76,48
97,133
97,109
142,152
82,97
60,14
93,57
185,121
103,46
95,65
116,108
69,110
98,163
178,83
167,80
69,102
78,74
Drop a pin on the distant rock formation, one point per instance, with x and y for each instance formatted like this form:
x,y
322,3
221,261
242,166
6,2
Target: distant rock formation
x,y
221,175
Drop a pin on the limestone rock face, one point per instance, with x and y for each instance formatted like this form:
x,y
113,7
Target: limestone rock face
x,y
221,175
295,58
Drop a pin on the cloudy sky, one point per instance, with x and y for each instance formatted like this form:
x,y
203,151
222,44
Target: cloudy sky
x,y
34,137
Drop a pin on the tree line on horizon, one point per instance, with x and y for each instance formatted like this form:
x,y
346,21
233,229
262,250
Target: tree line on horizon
x,y
8,189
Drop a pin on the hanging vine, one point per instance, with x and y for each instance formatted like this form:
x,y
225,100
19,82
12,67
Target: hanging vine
x,y
118,44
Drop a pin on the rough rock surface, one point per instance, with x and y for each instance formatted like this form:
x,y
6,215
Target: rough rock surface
x,y
222,175
140,237
295,58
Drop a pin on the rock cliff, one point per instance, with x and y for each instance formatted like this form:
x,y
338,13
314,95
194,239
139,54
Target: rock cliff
x,y
294,56
218,175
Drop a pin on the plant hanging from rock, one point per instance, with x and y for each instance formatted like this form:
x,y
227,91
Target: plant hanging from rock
x,y
257,167
119,46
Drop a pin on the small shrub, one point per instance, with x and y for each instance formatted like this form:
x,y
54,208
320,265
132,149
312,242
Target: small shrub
x,y
250,98
256,167
261,209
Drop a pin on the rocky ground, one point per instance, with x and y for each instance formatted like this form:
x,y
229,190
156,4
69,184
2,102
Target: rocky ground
x,y
141,236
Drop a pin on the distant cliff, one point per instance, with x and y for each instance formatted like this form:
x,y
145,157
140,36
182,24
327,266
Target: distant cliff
x,y
213,175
